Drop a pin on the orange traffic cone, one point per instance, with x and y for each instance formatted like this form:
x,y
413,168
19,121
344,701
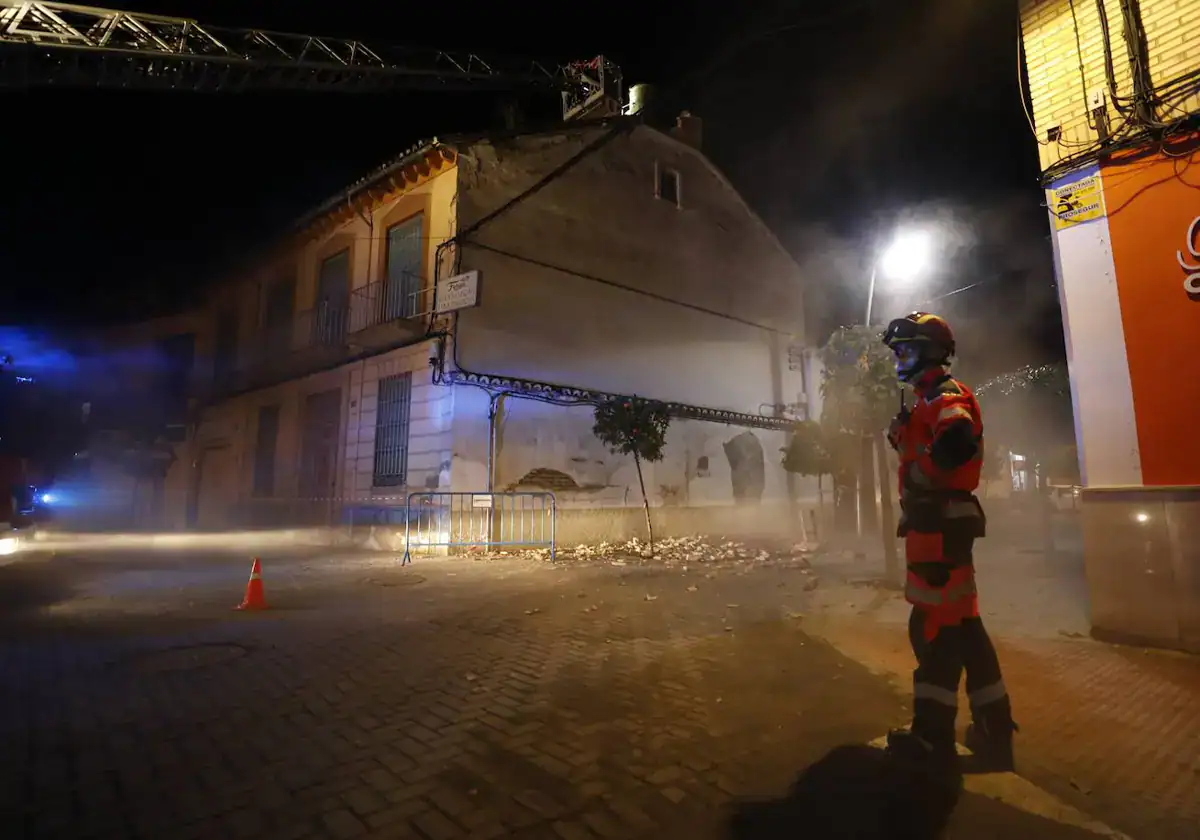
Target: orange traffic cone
x,y
254,599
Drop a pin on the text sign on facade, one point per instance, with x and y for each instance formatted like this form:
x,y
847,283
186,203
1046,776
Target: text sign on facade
x,y
1077,202
481,501
458,292
1191,283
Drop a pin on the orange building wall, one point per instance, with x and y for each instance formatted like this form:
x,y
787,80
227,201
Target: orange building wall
x,y
1152,202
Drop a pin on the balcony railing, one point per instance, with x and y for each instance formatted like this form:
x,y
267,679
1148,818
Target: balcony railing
x,y
321,334
389,301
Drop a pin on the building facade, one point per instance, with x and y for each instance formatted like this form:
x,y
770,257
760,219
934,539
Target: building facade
x,y
448,324
1115,88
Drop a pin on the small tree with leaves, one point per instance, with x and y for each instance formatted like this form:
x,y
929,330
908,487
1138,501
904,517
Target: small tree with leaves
x,y
807,453
995,467
861,396
637,427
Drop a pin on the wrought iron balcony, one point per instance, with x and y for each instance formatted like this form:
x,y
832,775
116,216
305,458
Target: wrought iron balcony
x,y
374,315
390,301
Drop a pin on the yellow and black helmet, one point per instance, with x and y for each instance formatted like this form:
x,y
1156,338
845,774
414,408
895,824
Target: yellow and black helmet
x,y
930,330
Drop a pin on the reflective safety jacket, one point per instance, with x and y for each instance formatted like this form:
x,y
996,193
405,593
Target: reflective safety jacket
x,y
940,444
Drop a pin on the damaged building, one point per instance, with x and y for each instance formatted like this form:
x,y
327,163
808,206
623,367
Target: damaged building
x,y
449,322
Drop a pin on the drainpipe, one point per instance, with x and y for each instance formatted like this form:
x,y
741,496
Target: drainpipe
x,y
352,491
495,437
495,442
369,219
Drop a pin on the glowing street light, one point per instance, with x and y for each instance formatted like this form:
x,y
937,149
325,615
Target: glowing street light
x,y
909,254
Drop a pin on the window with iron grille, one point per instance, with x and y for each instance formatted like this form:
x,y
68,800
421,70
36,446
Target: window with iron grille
x,y
264,450
392,421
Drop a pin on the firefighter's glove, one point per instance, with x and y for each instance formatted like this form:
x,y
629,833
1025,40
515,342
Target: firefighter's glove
x,y
936,575
914,481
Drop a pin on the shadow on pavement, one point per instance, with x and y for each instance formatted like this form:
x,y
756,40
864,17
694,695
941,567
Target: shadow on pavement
x,y
855,791
32,585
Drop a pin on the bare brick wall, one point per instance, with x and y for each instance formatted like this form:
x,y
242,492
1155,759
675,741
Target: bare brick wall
x,y
1059,33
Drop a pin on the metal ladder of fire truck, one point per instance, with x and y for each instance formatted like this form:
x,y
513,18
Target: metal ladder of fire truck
x,y
64,45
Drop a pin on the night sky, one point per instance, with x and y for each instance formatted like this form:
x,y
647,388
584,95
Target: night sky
x,y
834,124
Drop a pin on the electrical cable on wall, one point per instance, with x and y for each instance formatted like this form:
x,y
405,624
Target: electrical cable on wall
x,y
1139,112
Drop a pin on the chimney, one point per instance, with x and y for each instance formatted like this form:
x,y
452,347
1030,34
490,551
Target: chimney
x,y
688,129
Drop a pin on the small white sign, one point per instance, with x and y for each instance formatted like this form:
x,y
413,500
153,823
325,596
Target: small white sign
x,y
458,292
481,501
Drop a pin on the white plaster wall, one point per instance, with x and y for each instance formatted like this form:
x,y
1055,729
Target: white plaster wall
x,y
537,435
1101,390
595,271
430,432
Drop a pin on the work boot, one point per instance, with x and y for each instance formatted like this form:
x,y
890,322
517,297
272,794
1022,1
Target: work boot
x,y
939,756
991,744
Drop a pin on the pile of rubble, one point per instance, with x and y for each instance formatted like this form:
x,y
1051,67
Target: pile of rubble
x,y
672,551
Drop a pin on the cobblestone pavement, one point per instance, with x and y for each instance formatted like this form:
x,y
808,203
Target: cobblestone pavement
x,y
1115,731
452,699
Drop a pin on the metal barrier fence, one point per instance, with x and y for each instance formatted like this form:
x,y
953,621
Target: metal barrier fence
x,y
430,521
495,521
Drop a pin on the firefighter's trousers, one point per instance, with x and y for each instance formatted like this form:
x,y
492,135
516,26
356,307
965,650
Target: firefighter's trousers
x,y
940,664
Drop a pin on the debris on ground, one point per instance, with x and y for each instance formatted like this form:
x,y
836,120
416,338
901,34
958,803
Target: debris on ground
x,y
682,552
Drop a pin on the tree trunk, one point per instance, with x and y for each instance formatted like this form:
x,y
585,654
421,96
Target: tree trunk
x,y
1045,509
869,518
820,507
845,500
637,461
887,521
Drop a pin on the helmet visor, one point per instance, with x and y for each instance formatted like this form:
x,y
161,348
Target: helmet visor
x,y
900,330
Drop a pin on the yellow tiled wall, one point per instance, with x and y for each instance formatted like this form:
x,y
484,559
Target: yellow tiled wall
x,y
1060,35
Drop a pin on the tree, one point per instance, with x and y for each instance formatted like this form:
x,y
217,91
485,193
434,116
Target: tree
x,y
807,453
861,396
996,464
637,427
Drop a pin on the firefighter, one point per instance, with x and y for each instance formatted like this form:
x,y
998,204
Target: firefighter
x,y
940,444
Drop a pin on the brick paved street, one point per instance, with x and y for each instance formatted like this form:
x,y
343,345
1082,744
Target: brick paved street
x,y
451,699
1114,731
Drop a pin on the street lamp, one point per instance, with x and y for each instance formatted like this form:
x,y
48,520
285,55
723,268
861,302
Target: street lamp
x,y
906,257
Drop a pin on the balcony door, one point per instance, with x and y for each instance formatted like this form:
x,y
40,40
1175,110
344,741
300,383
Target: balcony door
x,y
278,312
405,259
333,299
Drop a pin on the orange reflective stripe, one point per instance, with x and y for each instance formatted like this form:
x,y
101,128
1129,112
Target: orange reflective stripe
x,y
954,412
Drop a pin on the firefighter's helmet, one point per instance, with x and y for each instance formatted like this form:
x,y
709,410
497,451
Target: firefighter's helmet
x,y
920,340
